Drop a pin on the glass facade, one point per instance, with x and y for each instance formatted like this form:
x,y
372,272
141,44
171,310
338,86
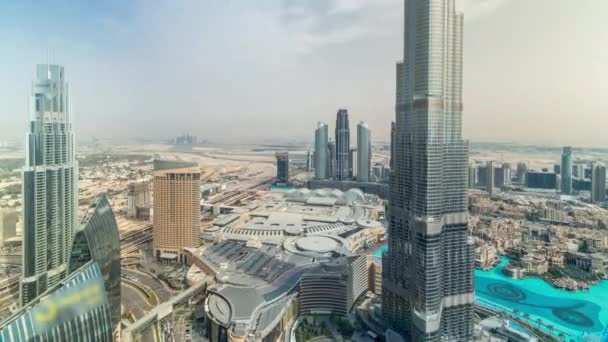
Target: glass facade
x,y
50,193
566,170
541,180
282,168
76,309
428,292
598,183
342,145
97,239
321,150
331,161
393,131
364,152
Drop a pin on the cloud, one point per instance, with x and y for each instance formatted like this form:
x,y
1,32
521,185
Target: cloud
x,y
475,9
316,23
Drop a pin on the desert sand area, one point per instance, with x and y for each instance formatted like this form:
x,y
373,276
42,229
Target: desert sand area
x,y
106,167
536,157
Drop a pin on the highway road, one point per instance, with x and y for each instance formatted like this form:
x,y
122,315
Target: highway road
x,y
10,259
148,334
135,301
132,298
139,305
232,196
131,240
149,282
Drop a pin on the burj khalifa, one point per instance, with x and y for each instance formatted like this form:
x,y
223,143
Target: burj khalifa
x,y
428,283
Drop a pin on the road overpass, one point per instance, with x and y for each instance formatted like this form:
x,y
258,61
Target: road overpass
x,y
130,333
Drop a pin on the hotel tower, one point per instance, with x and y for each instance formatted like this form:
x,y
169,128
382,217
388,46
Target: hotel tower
x,y
50,190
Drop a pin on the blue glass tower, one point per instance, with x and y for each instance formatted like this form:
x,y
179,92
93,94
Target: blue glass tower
x,y
98,239
74,309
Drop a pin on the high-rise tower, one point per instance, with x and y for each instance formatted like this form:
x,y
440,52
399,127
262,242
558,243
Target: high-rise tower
x,y
472,176
522,170
50,184
598,183
98,239
364,152
354,163
331,159
490,177
342,145
428,292
282,168
393,131
177,209
321,150
566,170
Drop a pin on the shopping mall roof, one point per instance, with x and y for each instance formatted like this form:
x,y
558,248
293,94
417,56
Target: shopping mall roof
x,y
287,214
259,257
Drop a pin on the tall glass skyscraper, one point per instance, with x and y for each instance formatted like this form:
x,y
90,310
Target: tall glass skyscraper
x,y
393,131
97,239
566,170
598,183
331,159
321,150
282,168
342,145
75,309
50,175
428,292
364,152
490,177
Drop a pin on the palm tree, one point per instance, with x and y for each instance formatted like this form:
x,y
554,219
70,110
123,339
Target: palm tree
x,y
516,312
539,321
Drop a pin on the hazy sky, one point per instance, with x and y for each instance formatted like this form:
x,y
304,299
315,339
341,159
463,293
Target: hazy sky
x,y
536,71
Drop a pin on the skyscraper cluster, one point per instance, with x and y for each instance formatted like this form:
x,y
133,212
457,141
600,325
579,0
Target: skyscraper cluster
x,y
428,292
337,159
576,177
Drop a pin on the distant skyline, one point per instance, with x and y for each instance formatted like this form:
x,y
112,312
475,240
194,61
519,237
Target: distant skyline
x,y
238,70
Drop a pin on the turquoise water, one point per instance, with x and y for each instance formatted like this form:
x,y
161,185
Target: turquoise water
x,y
277,187
576,314
381,250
